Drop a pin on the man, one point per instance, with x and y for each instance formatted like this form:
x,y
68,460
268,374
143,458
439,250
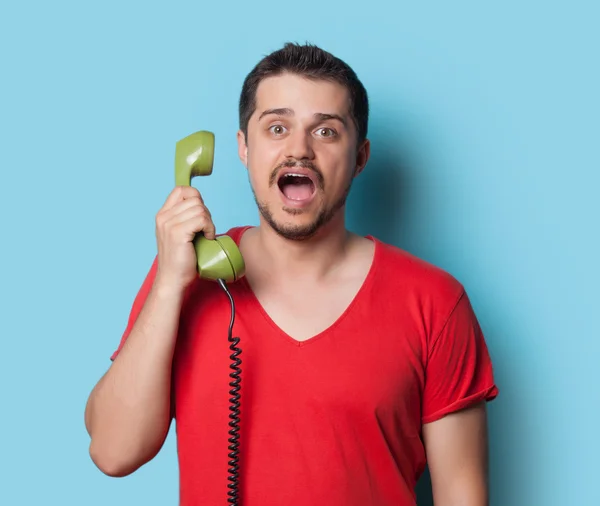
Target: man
x,y
360,361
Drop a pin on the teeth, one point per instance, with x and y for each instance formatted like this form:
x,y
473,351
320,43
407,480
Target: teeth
x,y
291,178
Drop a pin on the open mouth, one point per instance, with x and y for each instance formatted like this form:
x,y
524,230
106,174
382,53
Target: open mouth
x,y
296,186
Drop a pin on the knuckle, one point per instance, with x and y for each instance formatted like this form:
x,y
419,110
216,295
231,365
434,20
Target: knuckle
x,y
197,209
202,219
201,222
190,191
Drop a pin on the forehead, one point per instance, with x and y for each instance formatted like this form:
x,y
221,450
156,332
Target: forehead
x,y
304,96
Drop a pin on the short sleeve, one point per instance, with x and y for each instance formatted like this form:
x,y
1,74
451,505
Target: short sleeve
x,y
138,304
459,369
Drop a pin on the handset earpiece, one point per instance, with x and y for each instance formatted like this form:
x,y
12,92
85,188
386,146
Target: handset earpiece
x,y
220,258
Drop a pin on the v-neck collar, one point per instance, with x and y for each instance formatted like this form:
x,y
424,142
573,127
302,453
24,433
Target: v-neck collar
x,y
338,321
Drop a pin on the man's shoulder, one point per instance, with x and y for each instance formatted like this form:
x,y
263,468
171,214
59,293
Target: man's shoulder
x,y
409,272
236,231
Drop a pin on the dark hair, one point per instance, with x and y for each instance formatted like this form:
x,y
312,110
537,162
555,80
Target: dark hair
x,y
312,62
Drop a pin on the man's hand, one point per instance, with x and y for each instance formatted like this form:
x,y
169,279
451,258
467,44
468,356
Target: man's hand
x,y
457,454
182,216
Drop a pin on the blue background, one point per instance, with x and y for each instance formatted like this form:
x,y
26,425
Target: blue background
x,y
485,131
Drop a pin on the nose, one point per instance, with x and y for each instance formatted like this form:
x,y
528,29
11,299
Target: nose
x,y
299,146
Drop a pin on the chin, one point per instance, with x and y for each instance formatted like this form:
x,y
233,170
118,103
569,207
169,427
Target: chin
x,y
292,223
295,232
298,224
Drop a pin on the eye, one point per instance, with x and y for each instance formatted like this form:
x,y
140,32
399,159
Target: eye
x,y
277,129
325,132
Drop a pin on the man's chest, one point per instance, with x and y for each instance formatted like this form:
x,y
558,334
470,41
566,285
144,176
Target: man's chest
x,y
365,361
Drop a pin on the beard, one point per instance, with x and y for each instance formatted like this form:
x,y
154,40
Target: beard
x,y
306,231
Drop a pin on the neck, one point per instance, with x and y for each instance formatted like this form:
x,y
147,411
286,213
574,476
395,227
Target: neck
x,y
308,259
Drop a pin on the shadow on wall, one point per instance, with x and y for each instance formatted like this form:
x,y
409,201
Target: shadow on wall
x,y
387,199
378,198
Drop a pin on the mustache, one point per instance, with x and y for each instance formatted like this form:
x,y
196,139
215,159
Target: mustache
x,y
297,163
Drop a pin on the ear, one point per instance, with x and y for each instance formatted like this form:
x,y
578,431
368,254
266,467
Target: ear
x,y
362,156
242,148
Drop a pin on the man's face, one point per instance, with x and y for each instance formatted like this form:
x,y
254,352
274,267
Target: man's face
x,y
301,153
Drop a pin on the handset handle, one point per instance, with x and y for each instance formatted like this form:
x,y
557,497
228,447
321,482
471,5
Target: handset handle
x,y
220,258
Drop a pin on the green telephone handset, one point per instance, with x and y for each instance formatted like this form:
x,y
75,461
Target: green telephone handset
x,y
219,258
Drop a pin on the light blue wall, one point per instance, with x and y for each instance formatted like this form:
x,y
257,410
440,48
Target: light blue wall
x,y
485,131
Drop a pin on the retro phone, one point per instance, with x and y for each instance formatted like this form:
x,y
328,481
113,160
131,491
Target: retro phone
x,y
219,260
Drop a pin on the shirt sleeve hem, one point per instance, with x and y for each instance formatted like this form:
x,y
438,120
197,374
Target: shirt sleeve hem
x,y
487,394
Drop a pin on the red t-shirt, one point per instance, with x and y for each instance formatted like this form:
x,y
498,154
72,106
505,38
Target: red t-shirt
x,y
335,419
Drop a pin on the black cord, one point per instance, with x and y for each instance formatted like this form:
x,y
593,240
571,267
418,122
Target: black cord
x,y
234,407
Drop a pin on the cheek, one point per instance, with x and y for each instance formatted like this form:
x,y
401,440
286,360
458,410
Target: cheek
x,y
263,157
339,173
260,166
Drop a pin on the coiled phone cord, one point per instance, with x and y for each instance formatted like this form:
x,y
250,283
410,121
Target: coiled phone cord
x,y
234,407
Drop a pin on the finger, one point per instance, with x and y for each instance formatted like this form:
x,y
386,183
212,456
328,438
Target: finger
x,y
189,207
189,228
188,214
181,206
173,197
189,192
178,194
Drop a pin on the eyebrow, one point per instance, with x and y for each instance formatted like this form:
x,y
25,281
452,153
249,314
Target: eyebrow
x,y
285,111
282,111
324,117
